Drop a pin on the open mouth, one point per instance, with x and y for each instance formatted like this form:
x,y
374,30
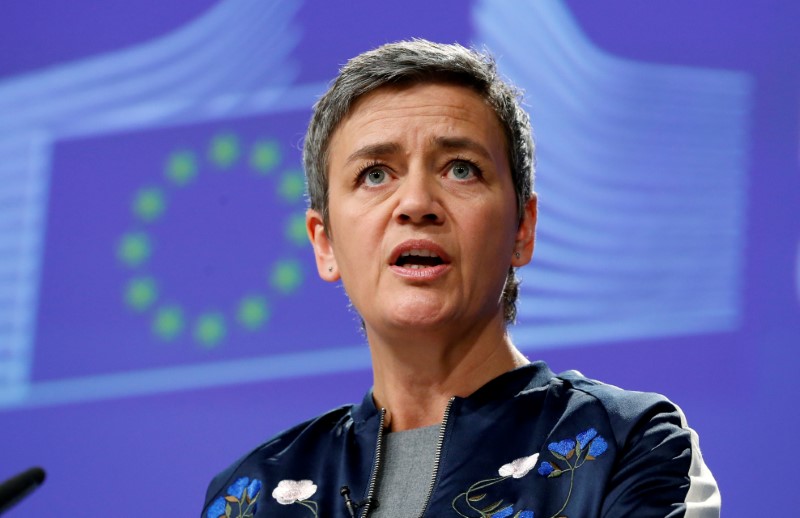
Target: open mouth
x,y
416,259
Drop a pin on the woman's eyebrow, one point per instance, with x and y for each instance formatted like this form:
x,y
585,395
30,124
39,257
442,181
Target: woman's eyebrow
x,y
373,150
462,143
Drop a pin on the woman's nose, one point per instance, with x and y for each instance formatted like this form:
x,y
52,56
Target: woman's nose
x,y
418,200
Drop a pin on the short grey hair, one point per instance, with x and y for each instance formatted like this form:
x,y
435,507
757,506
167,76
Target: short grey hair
x,y
420,61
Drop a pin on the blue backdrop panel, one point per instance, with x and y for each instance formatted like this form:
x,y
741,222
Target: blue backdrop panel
x,y
630,244
160,311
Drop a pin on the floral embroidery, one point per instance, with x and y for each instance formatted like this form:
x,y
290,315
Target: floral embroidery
x,y
518,468
586,446
243,494
505,513
508,511
290,492
468,500
570,454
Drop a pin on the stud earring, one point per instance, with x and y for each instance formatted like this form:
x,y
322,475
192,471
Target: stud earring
x,y
516,254
330,268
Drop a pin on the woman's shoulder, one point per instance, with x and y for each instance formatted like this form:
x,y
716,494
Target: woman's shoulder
x,y
653,439
298,438
621,405
627,411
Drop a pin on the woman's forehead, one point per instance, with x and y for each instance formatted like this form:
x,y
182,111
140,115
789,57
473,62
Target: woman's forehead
x,y
435,114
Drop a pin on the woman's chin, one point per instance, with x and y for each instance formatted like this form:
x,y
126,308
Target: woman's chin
x,y
419,315
417,322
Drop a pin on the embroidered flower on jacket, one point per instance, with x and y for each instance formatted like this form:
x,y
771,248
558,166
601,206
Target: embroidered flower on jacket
x,y
240,498
562,448
597,448
474,500
586,446
289,492
568,456
216,509
545,468
508,511
597,445
583,438
237,488
520,467
254,488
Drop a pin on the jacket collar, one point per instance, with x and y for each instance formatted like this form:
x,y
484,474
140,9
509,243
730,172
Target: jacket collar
x,y
503,387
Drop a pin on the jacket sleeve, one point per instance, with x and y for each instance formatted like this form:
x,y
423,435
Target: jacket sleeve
x,y
660,472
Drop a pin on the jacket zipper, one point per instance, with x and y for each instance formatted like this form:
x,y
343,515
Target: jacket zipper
x,y
375,469
438,455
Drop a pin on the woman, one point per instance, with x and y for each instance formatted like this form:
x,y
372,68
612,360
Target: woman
x,y
419,162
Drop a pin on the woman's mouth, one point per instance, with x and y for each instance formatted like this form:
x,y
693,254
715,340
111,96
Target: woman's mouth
x,y
418,258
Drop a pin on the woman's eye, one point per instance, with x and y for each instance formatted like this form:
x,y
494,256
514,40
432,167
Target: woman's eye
x,y
375,176
462,170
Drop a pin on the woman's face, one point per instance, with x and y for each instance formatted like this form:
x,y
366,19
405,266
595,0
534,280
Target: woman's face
x,y
423,212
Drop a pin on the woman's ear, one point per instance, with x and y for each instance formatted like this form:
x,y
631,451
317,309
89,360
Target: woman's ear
x,y
526,234
323,246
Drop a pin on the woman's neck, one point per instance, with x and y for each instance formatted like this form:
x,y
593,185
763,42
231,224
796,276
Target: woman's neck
x,y
417,374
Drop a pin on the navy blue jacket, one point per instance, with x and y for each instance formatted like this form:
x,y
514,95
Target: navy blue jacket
x,y
528,444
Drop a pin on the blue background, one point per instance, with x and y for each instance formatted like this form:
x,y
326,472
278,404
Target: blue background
x,y
669,242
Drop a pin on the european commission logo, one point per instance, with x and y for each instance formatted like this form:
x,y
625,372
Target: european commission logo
x,y
181,246
162,307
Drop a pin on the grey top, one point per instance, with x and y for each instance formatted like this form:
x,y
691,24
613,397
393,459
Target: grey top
x,y
406,472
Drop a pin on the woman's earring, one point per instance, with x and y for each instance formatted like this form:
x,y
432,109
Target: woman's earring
x,y
330,268
517,255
